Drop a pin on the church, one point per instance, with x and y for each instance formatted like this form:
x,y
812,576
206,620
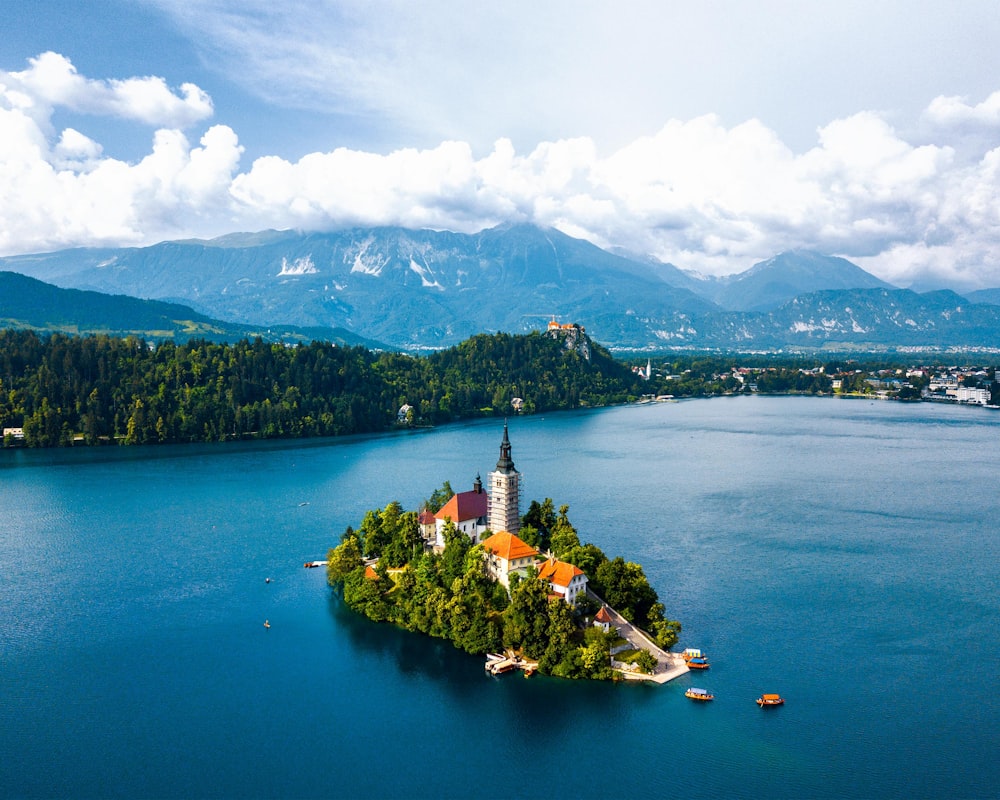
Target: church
x,y
498,512
477,511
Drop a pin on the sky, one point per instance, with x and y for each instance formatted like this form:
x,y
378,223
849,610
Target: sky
x,y
710,135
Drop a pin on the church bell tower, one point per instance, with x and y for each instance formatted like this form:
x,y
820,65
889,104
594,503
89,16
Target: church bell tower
x,y
505,492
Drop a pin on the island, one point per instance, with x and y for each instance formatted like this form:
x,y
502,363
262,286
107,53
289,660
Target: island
x,y
467,567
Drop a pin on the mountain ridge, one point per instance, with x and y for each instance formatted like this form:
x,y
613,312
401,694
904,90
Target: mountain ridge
x,y
424,289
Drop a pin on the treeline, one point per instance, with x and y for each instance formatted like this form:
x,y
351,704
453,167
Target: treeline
x,y
93,389
450,595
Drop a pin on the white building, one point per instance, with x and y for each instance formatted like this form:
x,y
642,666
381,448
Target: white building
x,y
467,510
966,394
507,554
564,579
505,492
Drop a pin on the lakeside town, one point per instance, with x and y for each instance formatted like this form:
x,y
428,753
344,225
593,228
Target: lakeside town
x,y
966,385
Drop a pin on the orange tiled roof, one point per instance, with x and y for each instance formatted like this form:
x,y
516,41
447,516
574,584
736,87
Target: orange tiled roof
x,y
558,573
463,506
508,546
603,615
371,574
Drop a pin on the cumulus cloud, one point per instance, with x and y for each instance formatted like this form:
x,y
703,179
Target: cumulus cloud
x,y
957,111
51,80
697,192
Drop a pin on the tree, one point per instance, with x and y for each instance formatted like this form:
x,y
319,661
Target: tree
x,y
564,537
456,546
646,661
625,588
343,559
439,497
560,636
525,622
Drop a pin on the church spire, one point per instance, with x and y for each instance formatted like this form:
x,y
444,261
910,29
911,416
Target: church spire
x,y
505,462
505,491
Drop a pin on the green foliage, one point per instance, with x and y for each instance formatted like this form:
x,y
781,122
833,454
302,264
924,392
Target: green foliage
x,y
625,588
646,661
538,523
564,537
343,559
526,618
128,391
439,497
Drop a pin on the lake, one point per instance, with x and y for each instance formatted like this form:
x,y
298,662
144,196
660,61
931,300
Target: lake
x,y
840,552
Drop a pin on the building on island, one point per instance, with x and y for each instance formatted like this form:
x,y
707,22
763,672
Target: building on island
x,y
565,580
507,554
467,510
428,525
603,620
505,492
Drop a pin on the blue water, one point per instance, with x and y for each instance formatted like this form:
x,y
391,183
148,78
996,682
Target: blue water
x,y
842,553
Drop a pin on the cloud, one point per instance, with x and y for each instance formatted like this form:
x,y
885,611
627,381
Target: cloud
x,y
697,192
955,111
52,81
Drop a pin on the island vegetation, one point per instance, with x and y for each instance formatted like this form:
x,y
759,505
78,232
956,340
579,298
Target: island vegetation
x,y
449,595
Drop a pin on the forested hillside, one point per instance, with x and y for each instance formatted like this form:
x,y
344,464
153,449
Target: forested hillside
x,y
94,389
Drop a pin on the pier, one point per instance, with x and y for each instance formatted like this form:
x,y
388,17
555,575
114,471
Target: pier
x,y
497,664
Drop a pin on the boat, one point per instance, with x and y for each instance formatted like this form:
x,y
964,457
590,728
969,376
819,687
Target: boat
x,y
698,663
766,700
267,624
314,564
699,694
692,652
500,667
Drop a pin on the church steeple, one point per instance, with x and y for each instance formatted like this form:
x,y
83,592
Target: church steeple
x,y
505,491
505,463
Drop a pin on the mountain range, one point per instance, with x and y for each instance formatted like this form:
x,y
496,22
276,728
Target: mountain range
x,y
421,289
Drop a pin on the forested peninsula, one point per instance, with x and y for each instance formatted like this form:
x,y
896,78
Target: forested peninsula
x,y
59,390
449,594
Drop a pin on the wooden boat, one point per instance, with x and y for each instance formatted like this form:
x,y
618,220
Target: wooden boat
x,y
699,694
766,700
698,663
692,652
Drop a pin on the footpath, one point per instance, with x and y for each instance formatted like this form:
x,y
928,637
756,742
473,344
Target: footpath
x,y
668,665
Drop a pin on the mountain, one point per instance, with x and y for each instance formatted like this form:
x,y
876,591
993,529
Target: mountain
x,y
855,319
29,303
770,284
430,289
408,288
988,296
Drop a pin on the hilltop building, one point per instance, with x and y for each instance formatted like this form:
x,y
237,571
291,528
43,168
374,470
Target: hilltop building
x,y
505,492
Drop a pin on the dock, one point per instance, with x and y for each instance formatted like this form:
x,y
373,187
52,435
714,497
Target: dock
x,y
497,664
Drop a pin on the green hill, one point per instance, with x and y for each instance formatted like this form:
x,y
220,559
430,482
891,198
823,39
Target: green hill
x,y
100,388
29,303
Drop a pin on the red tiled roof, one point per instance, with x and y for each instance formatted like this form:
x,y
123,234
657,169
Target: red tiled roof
x,y
464,506
508,546
425,517
558,573
603,615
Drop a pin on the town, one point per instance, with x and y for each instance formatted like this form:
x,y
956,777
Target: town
x,y
706,376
